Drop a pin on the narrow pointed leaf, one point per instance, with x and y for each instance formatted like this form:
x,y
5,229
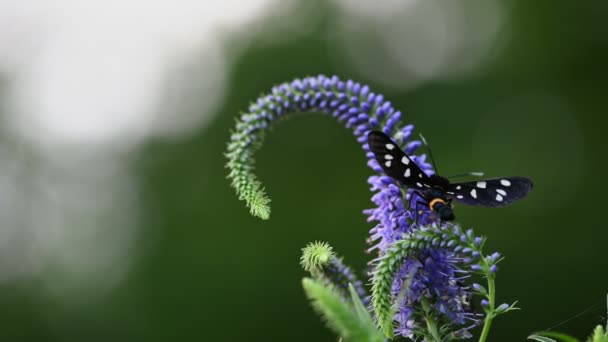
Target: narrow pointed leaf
x,y
554,336
540,338
360,309
339,315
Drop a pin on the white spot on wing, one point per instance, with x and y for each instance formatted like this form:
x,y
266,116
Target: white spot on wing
x,y
419,185
459,196
505,182
407,173
481,185
499,198
474,193
388,157
501,191
388,163
449,193
458,187
389,146
420,175
405,161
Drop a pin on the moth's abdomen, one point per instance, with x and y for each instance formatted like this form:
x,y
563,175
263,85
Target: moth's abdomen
x,y
443,209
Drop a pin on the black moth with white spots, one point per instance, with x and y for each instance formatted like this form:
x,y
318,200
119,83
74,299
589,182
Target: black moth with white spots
x,y
437,191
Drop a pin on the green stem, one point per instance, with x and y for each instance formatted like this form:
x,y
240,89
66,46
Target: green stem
x,y
430,322
490,311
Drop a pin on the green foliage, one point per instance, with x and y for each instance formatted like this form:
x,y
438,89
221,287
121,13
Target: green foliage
x,y
599,334
349,320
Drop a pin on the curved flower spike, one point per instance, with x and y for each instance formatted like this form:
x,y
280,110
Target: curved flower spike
x,y
351,103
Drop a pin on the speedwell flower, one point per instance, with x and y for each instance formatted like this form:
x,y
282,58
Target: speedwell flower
x,y
419,276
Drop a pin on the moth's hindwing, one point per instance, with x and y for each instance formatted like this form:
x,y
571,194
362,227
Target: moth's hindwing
x,y
496,192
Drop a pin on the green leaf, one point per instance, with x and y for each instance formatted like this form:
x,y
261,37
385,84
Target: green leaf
x,y
540,338
552,336
340,316
362,313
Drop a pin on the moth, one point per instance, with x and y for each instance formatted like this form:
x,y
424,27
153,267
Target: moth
x,y
436,191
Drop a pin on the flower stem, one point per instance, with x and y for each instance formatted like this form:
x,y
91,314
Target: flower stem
x,y
490,311
430,321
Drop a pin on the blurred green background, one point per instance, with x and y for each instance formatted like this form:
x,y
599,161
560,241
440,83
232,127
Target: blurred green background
x,y
203,269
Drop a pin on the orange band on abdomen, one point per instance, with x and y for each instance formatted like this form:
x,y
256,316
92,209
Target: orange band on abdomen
x,y
435,201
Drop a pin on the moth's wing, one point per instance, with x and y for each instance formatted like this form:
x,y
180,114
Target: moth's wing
x,y
496,192
395,163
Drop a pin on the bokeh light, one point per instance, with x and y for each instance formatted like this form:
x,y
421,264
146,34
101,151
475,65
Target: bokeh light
x,y
405,44
85,83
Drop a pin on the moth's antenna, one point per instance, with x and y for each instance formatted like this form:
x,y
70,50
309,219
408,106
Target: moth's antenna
x,y
430,153
468,174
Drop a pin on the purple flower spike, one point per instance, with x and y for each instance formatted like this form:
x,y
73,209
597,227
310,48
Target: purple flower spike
x,y
341,275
